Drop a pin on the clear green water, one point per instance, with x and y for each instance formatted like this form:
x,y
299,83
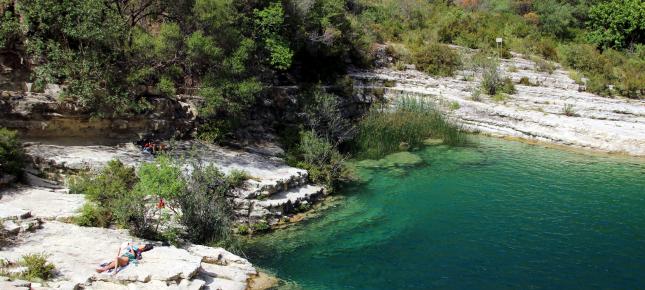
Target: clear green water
x,y
500,215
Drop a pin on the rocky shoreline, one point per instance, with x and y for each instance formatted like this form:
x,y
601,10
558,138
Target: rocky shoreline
x,y
36,218
536,112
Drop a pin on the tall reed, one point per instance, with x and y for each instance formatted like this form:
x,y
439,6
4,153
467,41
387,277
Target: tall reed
x,y
410,120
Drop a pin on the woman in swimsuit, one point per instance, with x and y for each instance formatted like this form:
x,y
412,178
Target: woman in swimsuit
x,y
131,253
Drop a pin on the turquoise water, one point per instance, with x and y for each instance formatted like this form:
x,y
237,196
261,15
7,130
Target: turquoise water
x,y
499,215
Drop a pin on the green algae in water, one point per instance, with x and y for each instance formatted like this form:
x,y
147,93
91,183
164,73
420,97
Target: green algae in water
x,y
502,215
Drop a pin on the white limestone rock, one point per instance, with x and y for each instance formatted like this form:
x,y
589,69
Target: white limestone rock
x,y
40,202
614,125
224,272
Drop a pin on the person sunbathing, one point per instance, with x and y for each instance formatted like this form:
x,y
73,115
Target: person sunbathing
x,y
131,253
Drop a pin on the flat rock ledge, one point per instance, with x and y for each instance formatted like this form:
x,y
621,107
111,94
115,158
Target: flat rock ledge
x,y
535,112
77,251
272,193
32,221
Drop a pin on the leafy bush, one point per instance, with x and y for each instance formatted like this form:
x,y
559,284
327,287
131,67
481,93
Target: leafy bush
x,y
215,130
94,216
525,81
206,213
585,58
500,97
243,230
323,161
543,65
411,121
323,116
568,110
492,82
111,184
161,178
617,23
437,59
261,226
555,17
631,79
37,267
12,156
236,178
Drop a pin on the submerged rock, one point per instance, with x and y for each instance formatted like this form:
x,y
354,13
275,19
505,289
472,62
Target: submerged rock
x,y
432,142
400,159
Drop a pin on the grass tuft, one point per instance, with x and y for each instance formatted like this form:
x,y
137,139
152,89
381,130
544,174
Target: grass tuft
x,y
410,120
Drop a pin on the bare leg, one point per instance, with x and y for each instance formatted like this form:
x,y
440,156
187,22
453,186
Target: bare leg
x,y
121,260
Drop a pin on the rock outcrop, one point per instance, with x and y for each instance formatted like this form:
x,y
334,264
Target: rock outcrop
x,y
536,112
274,190
76,251
42,115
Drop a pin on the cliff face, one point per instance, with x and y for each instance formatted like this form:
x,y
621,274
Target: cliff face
x,y
40,115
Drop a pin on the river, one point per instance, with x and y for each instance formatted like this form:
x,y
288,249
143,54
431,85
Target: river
x,y
495,215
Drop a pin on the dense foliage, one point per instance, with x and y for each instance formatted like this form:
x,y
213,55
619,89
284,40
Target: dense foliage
x,y
12,155
111,55
160,201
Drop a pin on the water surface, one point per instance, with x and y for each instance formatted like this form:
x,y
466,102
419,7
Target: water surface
x,y
499,215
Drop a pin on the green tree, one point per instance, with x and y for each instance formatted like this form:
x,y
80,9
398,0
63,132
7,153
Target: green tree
x,y
555,17
617,23
270,21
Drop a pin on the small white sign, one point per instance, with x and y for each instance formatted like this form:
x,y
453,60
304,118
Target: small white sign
x,y
498,40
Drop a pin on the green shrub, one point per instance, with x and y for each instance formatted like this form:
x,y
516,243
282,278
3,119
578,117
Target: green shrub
x,y
206,212
617,23
454,106
631,79
37,267
161,178
555,17
243,230
12,155
598,84
568,110
111,184
500,97
437,59
261,226
525,81
492,82
236,177
411,121
78,184
322,160
585,58
215,130
94,216
543,65
541,46
166,87
476,95
323,115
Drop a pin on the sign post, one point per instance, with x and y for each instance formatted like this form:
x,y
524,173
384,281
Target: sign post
x,y
499,46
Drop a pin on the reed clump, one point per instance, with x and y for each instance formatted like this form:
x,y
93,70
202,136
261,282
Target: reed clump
x,y
409,121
